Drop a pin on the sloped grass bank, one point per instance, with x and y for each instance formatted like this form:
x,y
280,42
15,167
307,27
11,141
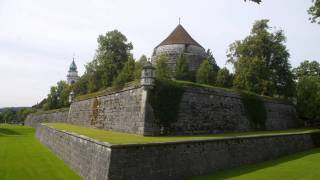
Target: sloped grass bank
x,y
304,165
124,138
23,157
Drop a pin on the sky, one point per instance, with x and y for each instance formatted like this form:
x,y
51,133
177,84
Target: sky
x,y
39,38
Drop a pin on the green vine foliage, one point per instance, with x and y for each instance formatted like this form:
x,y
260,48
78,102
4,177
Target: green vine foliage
x,y
165,99
255,110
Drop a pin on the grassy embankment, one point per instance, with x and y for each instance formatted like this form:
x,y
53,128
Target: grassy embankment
x,y
304,165
124,138
23,157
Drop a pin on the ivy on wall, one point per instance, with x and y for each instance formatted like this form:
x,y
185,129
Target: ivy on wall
x,y
254,109
165,99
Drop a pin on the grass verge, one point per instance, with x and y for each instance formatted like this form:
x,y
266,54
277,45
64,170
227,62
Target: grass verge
x,y
304,165
124,138
23,157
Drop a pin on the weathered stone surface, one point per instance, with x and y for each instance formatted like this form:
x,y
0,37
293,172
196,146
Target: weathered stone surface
x,y
90,159
119,111
34,119
201,111
205,111
175,160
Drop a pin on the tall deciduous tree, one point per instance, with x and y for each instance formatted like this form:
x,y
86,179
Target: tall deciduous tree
x,y
112,53
205,74
182,68
163,71
224,78
261,62
126,74
307,68
308,98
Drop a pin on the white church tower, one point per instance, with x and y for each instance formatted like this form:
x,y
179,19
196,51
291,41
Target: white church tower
x,y
72,76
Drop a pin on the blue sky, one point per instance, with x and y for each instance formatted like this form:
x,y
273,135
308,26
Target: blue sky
x,y
38,38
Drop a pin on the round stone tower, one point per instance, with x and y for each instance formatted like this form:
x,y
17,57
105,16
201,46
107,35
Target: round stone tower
x,y
180,42
72,76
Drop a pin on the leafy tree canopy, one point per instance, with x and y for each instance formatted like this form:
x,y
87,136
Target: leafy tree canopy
x,y
182,68
205,74
224,78
126,74
58,96
261,62
314,11
112,53
307,68
308,98
163,71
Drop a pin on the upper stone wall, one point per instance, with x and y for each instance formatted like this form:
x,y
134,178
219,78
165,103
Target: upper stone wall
x,y
205,111
118,111
201,111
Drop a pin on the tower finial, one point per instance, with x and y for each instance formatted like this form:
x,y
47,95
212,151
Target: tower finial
x,y
73,56
179,20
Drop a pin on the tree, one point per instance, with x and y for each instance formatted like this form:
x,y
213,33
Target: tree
x,y
182,68
261,62
138,66
58,96
314,12
112,53
224,78
212,61
205,74
307,68
81,86
308,98
162,69
126,74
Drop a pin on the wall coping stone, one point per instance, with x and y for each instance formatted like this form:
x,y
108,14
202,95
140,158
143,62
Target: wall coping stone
x,y
120,146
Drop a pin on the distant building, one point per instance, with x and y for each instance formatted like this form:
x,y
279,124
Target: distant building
x,y
72,76
180,42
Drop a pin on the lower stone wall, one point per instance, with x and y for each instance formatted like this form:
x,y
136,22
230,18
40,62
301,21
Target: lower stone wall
x,y
89,158
60,115
175,160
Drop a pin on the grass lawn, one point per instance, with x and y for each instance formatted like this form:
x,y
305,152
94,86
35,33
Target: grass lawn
x,y
22,157
305,165
124,138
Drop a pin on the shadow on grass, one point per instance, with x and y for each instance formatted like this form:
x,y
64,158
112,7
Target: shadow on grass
x,y
4,131
232,173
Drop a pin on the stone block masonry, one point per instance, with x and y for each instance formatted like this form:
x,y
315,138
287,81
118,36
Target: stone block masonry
x,y
171,161
60,115
201,111
206,111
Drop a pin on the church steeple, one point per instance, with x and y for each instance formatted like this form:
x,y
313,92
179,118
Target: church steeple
x,y
72,76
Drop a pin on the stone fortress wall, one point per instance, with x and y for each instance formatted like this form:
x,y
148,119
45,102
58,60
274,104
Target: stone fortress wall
x,y
173,160
201,111
206,111
34,119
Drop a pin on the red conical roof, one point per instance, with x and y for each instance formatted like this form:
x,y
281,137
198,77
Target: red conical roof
x,y
179,36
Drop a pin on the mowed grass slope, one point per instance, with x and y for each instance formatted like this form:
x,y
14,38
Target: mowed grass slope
x,y
300,166
22,157
124,138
